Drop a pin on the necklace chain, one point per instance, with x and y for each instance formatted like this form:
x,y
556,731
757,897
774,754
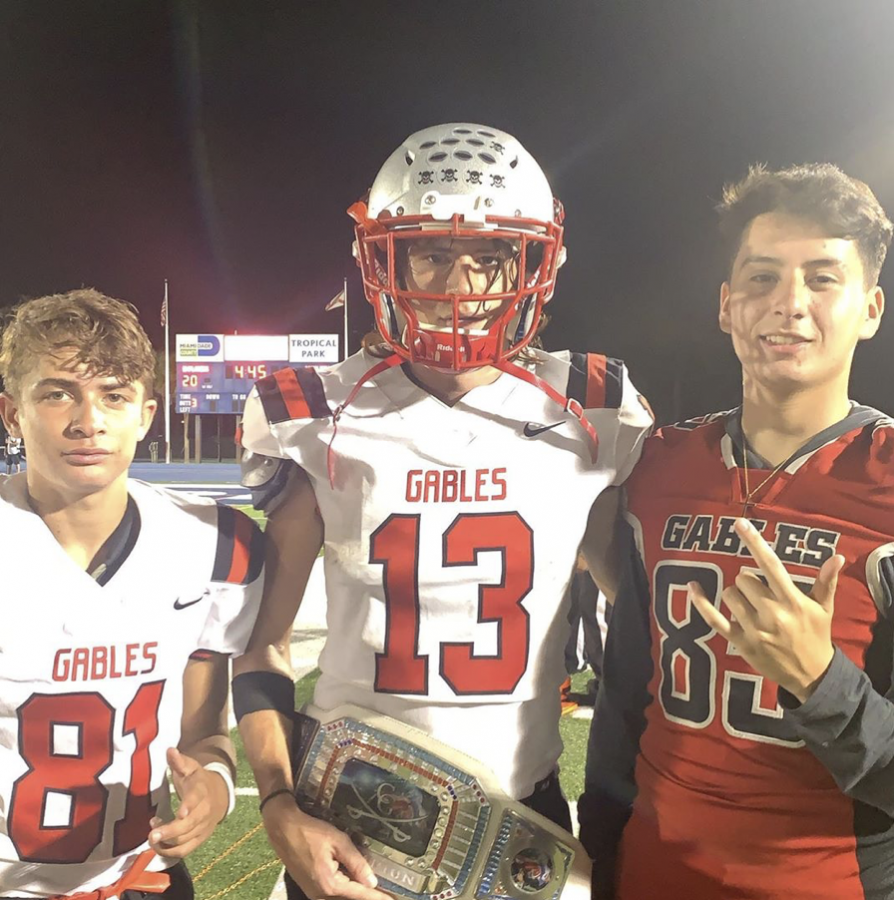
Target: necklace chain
x,y
746,502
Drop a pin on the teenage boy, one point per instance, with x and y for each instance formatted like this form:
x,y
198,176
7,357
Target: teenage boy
x,y
455,467
743,742
110,586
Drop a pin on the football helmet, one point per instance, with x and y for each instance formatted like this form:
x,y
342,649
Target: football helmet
x,y
459,181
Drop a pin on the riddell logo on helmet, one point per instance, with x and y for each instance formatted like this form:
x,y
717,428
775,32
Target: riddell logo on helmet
x,y
448,348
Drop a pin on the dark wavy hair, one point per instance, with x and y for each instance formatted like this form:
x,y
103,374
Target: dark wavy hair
x,y
845,208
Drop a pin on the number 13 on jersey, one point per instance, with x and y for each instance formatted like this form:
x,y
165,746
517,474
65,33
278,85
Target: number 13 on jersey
x,y
395,546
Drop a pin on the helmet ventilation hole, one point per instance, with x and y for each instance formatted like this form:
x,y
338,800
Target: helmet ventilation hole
x,y
487,157
440,156
462,154
425,145
489,134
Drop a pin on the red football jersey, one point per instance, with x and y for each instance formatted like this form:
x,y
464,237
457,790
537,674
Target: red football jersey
x,y
736,796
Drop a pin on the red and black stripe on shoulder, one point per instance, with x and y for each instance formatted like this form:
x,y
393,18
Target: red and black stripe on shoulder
x,y
293,394
596,381
240,547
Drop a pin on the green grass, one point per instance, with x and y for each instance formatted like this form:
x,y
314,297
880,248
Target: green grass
x,y
254,513
226,870
574,736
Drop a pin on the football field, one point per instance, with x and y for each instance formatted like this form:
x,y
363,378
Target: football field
x,y
237,862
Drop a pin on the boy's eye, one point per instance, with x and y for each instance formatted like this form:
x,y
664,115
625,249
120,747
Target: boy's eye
x,y
437,259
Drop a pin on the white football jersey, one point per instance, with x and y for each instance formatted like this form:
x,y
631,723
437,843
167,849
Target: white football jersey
x,y
450,539
91,679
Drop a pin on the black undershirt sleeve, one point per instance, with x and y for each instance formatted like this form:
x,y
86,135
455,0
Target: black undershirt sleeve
x,y
848,725
618,722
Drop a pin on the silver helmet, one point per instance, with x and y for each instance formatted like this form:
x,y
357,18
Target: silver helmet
x,y
461,169
463,181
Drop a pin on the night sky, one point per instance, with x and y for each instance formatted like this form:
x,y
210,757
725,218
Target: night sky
x,y
217,144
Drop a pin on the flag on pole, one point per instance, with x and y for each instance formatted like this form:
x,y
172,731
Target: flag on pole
x,y
336,301
165,324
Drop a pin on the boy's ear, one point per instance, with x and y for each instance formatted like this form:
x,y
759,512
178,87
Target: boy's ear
x,y
875,306
9,412
723,317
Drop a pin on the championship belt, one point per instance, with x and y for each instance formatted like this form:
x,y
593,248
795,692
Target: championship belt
x,y
432,822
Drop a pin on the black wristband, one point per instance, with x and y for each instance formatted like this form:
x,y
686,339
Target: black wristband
x,y
254,691
273,794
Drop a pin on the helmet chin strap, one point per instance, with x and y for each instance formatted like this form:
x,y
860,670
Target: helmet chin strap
x,y
569,404
441,348
387,363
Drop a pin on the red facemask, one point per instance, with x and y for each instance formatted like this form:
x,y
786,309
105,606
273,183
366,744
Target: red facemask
x,y
454,348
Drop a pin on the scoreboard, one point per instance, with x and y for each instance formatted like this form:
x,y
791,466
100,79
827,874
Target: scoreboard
x,y
219,387
216,372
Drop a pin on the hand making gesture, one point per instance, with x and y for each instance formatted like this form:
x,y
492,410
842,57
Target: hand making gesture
x,y
203,803
783,633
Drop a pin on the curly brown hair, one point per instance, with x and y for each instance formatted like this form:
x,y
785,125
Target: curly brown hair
x,y
105,335
845,207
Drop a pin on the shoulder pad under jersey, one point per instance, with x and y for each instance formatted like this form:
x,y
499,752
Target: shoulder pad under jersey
x,y
266,477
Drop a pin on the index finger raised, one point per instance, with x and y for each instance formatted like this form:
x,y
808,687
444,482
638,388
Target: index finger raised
x,y
768,562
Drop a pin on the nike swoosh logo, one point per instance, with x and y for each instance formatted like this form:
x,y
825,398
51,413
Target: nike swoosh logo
x,y
532,429
179,605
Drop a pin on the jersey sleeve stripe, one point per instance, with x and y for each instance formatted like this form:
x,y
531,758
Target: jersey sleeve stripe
x,y
282,397
596,381
312,387
241,548
257,550
240,552
614,383
577,378
596,364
